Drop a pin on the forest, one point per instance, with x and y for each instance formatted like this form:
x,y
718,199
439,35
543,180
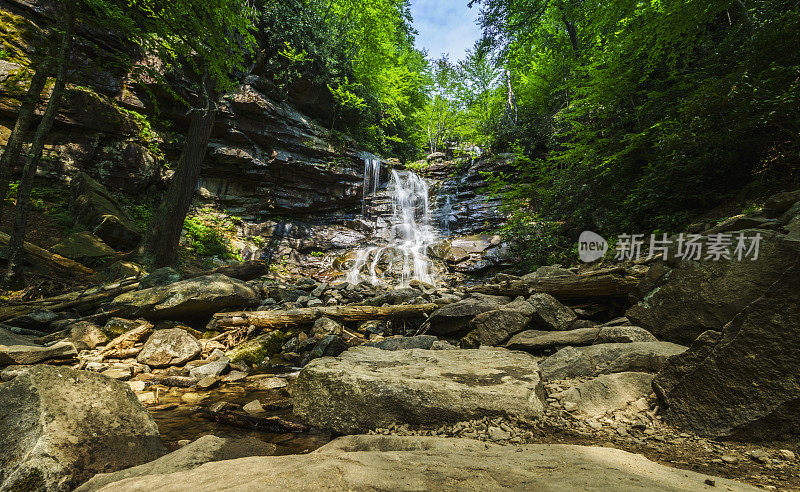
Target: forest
x,y
291,245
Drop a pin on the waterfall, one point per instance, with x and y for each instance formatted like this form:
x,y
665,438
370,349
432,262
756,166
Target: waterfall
x,y
372,178
409,234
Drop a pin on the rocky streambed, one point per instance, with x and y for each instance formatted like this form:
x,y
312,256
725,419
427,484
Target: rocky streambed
x,y
450,386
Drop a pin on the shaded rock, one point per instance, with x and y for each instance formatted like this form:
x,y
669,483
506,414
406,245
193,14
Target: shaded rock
x,y
83,247
456,317
607,392
86,335
204,450
538,341
39,319
781,202
692,297
404,343
328,346
171,347
741,222
193,298
123,269
549,314
495,327
94,207
366,387
61,426
431,463
548,271
743,384
10,372
115,327
18,349
216,368
160,277
624,334
608,358
256,350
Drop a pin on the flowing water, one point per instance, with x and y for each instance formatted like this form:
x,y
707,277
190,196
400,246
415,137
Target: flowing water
x,y
409,233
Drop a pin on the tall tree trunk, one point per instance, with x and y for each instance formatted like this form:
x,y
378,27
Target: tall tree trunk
x,y
25,117
160,244
29,171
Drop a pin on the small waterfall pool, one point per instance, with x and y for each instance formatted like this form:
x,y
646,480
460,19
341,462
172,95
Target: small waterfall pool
x,y
408,233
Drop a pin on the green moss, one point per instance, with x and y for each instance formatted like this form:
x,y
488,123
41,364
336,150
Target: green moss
x,y
256,350
33,480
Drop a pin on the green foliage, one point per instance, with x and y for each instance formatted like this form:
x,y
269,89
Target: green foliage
x,y
209,234
317,254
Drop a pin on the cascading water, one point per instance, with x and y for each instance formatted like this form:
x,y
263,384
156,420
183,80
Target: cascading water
x,y
372,178
410,233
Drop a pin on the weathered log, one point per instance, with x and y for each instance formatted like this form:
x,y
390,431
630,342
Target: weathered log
x,y
122,347
295,317
49,262
266,424
81,301
609,283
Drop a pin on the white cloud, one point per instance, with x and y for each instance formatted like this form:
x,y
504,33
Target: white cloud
x,y
445,26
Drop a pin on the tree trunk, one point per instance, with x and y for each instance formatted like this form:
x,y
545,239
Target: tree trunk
x,y
160,244
29,171
25,117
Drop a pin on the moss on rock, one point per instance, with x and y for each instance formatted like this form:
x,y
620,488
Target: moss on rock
x,y
256,350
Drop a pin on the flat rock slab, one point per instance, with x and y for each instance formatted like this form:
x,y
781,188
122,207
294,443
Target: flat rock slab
x,y
365,388
607,393
608,358
431,463
18,349
538,341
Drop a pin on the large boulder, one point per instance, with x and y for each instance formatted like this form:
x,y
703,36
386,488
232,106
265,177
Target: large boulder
x,y
86,335
607,393
61,426
455,317
366,388
743,382
496,326
608,358
18,349
193,298
170,347
84,247
694,296
94,207
204,450
549,314
624,334
432,463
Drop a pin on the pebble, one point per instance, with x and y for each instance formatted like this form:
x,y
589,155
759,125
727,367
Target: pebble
x,y
787,455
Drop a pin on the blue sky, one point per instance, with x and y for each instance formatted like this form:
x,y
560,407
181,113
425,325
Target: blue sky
x,y
445,26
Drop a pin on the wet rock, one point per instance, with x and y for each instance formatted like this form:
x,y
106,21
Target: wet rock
x,y
215,368
86,335
61,426
549,314
160,277
608,358
743,382
171,347
624,334
433,463
17,349
607,393
366,387
204,450
404,343
193,298
539,341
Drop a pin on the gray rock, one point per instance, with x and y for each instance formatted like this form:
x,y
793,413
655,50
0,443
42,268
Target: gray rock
x,y
455,317
204,450
432,463
187,299
538,341
781,202
547,271
215,368
170,347
39,319
328,346
607,393
497,326
608,358
120,372
550,314
366,387
61,426
742,383
693,297
404,343
86,335
624,334
160,277
18,349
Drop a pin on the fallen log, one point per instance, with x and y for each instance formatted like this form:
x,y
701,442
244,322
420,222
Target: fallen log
x,y
295,317
50,262
608,283
81,301
274,425
122,347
